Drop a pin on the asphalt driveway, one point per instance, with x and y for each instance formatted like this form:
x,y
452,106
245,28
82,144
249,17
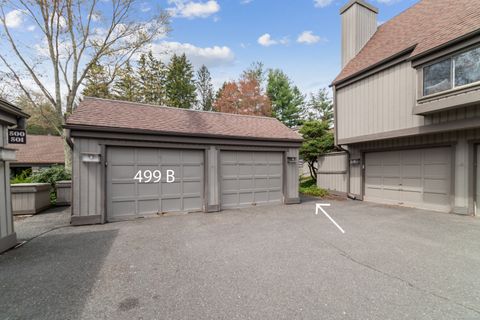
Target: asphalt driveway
x,y
279,262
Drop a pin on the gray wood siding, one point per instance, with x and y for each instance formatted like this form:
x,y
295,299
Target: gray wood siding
x,y
379,103
332,172
6,220
87,179
358,25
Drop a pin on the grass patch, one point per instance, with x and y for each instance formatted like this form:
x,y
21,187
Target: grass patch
x,y
308,186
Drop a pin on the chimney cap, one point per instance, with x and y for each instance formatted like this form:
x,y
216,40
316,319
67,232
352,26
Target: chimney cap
x,y
360,2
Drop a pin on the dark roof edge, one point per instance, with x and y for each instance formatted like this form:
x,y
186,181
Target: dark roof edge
x,y
378,65
170,133
360,2
10,108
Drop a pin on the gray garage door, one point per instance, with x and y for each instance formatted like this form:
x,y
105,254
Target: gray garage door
x,y
251,178
419,178
127,197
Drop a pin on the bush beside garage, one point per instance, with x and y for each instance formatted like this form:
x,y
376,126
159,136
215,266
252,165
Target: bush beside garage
x,y
221,161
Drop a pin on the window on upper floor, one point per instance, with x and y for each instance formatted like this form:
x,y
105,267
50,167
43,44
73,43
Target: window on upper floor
x,y
459,70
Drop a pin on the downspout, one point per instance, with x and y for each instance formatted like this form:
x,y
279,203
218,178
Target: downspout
x,y
349,195
68,138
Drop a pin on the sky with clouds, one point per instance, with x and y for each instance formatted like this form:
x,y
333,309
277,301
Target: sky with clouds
x,y
301,37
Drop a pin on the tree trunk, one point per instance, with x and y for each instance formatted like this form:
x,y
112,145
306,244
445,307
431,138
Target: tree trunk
x,y
68,155
312,169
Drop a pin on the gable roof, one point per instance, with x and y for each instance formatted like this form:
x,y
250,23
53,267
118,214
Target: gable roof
x,y
40,150
102,113
424,26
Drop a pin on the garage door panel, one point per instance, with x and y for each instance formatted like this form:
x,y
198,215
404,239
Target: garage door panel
x,y
147,198
250,178
391,171
417,177
435,171
123,208
148,189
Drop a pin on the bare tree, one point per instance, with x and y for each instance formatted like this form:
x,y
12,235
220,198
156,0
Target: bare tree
x,y
76,35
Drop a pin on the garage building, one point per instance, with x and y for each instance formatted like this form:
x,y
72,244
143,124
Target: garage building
x,y
126,156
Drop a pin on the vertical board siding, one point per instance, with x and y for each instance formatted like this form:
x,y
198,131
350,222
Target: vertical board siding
x,y
87,179
6,220
330,175
358,25
379,103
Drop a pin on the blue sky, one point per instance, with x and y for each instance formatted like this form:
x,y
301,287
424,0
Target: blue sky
x,y
301,37
238,25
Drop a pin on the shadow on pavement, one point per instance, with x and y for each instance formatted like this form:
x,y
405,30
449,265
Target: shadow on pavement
x,y
51,277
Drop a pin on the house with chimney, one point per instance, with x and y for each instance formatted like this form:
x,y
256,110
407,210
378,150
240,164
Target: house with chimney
x,y
407,107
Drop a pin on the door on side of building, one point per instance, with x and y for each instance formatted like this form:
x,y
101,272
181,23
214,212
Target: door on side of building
x,y
251,178
419,178
128,197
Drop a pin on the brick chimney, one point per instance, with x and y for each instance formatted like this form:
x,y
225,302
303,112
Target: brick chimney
x,y
359,23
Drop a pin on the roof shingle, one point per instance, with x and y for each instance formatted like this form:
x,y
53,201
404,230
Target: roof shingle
x,y
40,150
115,114
426,25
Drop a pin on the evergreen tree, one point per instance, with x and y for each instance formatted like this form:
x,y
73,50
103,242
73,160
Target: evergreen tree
x,y
126,87
180,85
287,100
157,80
97,82
320,107
204,89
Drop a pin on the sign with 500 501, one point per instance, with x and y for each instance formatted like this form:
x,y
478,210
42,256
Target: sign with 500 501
x,y
154,176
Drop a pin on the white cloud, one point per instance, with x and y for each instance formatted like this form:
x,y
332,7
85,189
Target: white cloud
x,y
191,9
144,7
322,3
267,41
210,56
245,1
308,37
14,18
31,28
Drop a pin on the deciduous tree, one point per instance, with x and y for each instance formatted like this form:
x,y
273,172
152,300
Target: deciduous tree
x,y
75,35
320,107
318,139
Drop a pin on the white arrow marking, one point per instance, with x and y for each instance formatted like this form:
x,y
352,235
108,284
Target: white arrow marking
x,y
319,207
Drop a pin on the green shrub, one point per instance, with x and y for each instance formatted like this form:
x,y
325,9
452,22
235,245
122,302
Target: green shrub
x,y
309,187
23,177
51,175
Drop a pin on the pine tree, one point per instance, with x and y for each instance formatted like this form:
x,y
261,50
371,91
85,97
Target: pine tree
x,y
204,89
97,82
180,84
320,107
158,74
126,87
287,100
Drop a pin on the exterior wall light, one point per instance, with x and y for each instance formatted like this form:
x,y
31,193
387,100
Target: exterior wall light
x,y
91,157
292,159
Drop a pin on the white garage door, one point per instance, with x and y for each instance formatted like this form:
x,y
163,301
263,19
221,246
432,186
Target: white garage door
x,y
418,178
251,178
127,196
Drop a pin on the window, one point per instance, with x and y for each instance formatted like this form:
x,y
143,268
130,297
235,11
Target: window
x,y
437,77
467,67
456,71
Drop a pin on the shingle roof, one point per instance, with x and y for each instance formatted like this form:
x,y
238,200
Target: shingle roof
x,y
40,150
93,112
426,25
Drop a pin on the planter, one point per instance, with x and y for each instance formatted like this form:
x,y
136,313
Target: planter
x,y
30,198
64,193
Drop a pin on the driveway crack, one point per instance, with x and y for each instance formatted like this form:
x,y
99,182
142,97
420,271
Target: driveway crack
x,y
394,277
